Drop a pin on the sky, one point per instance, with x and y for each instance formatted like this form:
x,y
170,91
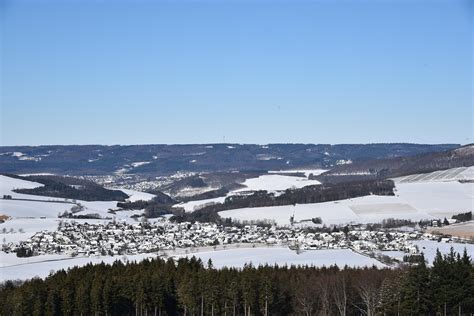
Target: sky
x,y
236,71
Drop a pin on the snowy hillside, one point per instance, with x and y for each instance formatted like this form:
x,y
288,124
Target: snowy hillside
x,y
413,201
276,183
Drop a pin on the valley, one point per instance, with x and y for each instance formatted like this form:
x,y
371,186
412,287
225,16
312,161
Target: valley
x,y
309,233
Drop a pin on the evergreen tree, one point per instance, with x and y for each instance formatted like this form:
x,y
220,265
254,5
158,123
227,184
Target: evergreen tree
x,y
416,295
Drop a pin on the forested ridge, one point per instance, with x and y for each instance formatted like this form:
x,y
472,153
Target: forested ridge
x,y
189,287
168,159
69,188
400,166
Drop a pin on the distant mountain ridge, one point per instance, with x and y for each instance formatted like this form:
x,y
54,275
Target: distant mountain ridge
x,y
401,166
154,160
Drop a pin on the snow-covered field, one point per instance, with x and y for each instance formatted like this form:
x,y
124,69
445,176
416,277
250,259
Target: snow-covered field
x,y
453,174
42,206
137,195
193,205
338,212
275,182
16,269
438,198
307,172
19,208
284,256
413,201
7,185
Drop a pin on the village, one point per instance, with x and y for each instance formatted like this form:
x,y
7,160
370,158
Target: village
x,y
119,238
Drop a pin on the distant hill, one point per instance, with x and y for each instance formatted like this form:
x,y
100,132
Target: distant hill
x,y
401,166
154,160
70,188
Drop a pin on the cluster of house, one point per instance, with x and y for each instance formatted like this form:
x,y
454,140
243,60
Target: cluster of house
x,y
119,238
136,182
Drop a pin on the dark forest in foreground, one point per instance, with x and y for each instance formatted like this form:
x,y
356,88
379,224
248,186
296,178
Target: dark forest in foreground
x,y
189,287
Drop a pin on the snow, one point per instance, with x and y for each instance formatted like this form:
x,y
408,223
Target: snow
x,y
438,198
39,206
283,256
10,259
139,163
276,182
99,207
336,212
37,174
190,191
19,208
265,157
29,226
29,158
7,184
414,201
50,263
193,205
453,174
393,254
272,182
343,162
137,195
306,172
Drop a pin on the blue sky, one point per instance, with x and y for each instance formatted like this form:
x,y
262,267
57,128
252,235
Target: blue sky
x,y
137,72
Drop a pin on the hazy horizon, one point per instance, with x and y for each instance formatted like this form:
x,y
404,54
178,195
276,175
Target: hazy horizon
x,y
229,143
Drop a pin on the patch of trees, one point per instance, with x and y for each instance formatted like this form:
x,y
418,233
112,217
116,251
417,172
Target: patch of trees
x,y
160,205
463,217
189,287
163,198
206,195
201,215
157,210
135,205
80,216
317,220
71,188
189,182
23,252
308,194
160,199
397,222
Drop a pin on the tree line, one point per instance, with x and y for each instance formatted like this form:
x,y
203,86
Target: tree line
x,y
190,287
463,217
305,195
159,205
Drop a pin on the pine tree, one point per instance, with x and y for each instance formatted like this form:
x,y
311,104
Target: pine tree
x,y
416,295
